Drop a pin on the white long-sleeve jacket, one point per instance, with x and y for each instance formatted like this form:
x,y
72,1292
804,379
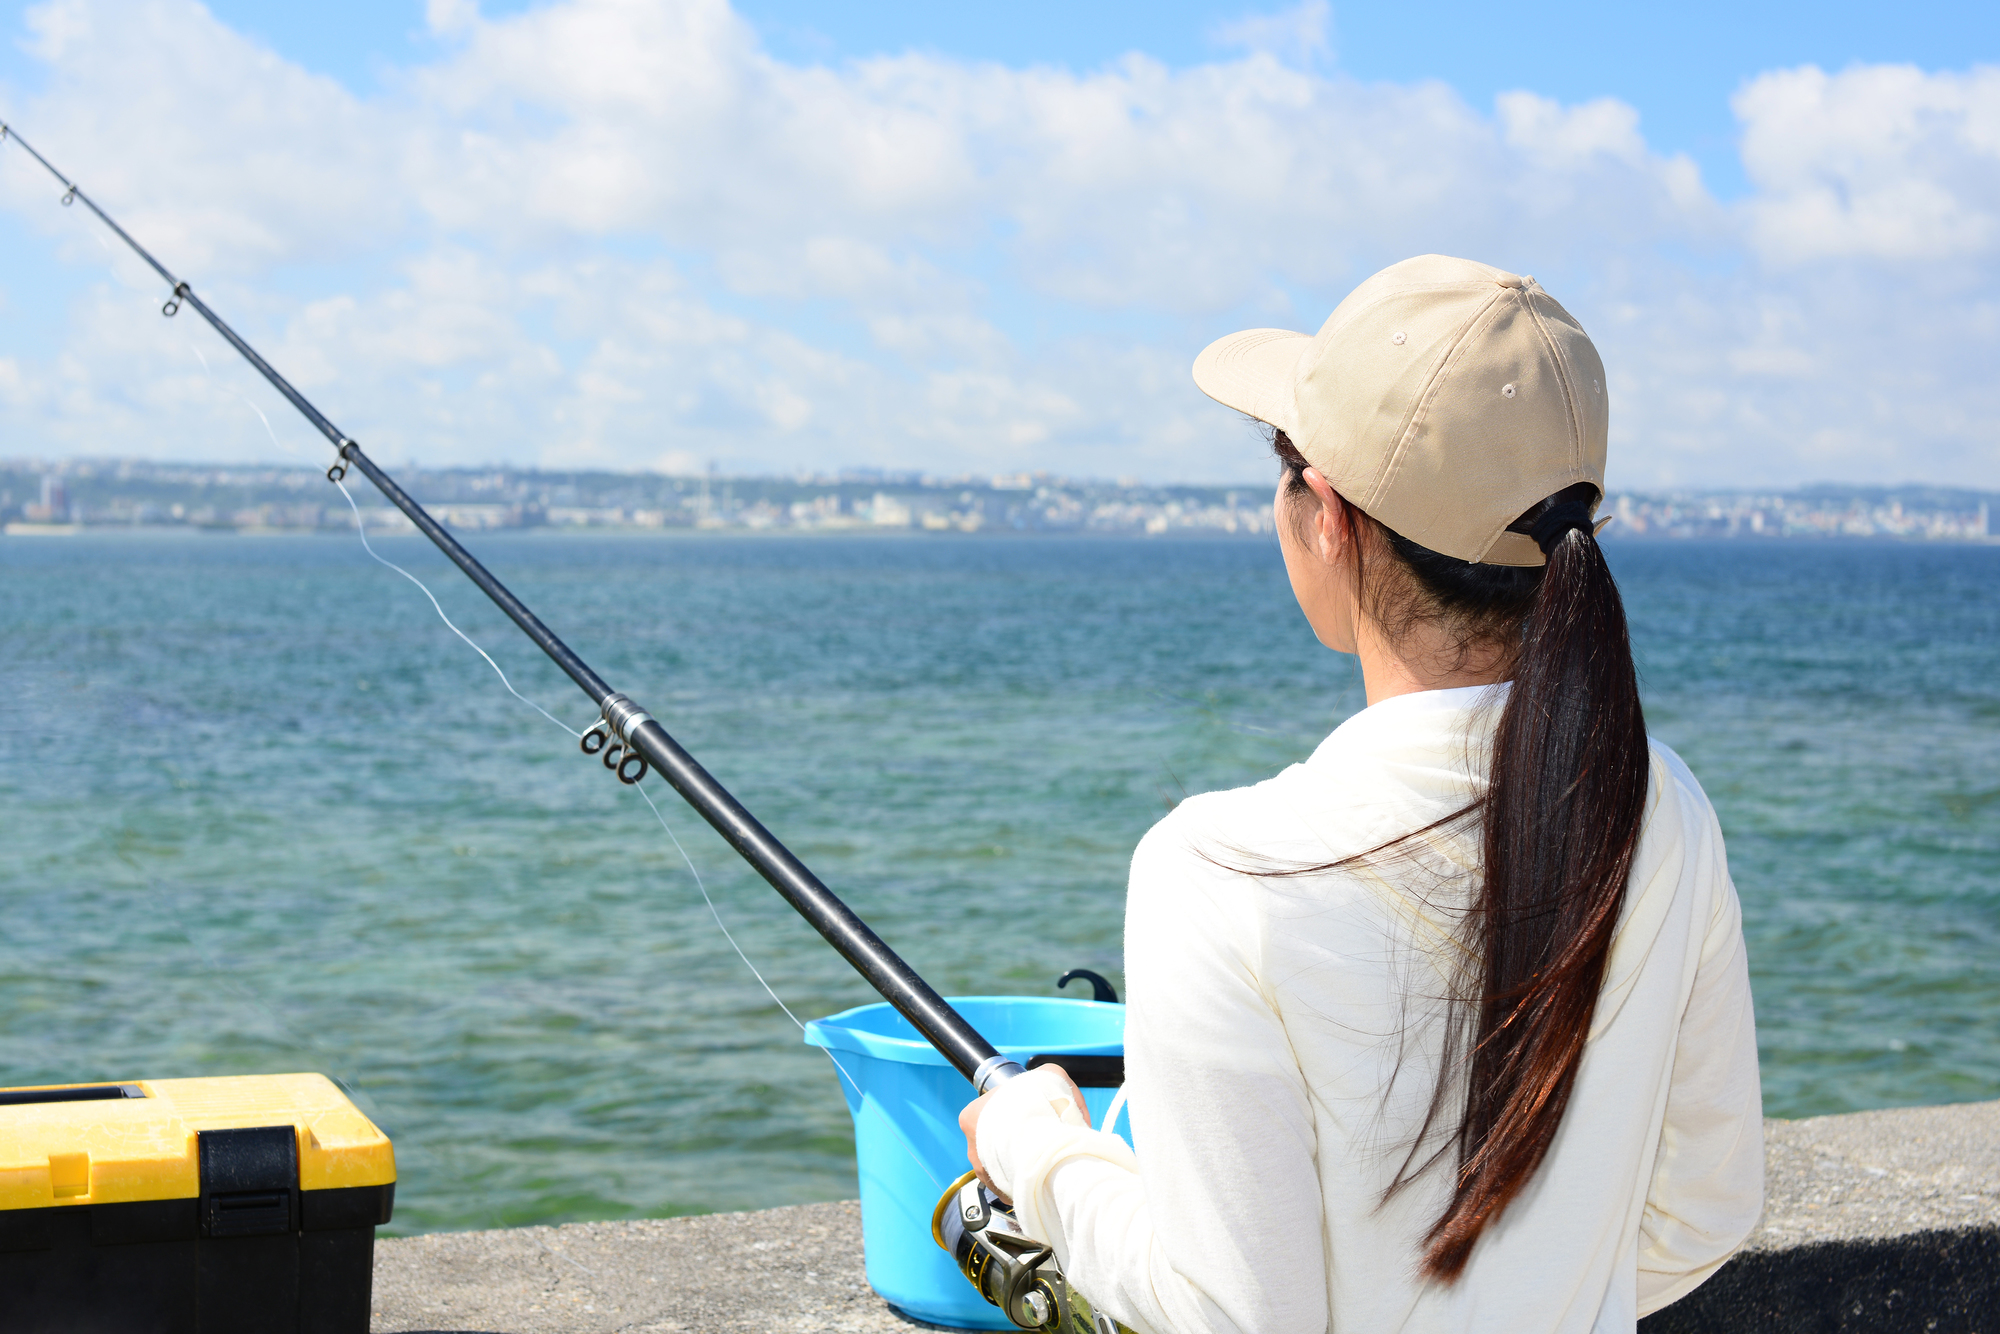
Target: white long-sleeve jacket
x,y
1281,1049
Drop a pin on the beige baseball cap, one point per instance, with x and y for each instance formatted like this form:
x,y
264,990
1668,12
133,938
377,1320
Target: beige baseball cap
x,y
1442,397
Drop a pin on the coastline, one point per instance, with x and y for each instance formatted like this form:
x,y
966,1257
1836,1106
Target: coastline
x,y
742,533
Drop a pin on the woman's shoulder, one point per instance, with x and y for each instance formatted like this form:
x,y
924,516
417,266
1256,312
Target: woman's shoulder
x,y
1314,813
1675,782
1262,809
1200,877
1229,831
1196,820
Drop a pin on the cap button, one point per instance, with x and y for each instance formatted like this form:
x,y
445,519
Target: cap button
x,y
1509,280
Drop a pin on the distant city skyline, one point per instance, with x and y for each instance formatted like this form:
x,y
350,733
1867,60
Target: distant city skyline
x,y
788,234
75,495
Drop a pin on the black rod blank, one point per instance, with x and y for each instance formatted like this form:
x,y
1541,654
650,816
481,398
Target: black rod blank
x,y
943,1027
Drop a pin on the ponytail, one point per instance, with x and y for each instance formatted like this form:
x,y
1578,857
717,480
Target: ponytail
x,y
1559,820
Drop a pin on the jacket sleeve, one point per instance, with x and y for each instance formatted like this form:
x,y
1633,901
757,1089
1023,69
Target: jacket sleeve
x,y
1216,1227
1707,1190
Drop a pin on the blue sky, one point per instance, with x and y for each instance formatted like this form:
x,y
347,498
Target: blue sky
x,y
992,249
1677,64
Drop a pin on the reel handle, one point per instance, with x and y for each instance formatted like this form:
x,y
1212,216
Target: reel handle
x,y
1007,1267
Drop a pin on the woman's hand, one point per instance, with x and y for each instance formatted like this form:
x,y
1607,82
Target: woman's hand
x,y
968,1118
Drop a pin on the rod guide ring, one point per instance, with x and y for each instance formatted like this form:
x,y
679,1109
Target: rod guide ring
x,y
339,468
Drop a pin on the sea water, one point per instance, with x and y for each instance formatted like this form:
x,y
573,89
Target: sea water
x,y
261,811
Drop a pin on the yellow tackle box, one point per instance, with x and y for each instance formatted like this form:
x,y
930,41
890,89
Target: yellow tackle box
x,y
239,1205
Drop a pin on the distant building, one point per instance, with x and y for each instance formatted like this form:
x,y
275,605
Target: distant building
x,y
55,502
885,511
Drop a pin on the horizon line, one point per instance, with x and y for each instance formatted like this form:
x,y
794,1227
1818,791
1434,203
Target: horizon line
x,y
869,474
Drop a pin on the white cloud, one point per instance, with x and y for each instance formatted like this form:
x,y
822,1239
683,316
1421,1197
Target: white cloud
x,y
1300,32
1883,162
230,157
449,17
620,232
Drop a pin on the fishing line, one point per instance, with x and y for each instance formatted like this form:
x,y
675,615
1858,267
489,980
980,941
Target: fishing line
x,y
694,871
361,531
658,814
729,936
726,933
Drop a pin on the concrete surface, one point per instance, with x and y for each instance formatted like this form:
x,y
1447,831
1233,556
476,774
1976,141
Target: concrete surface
x,y
1880,1221
1877,1221
1880,1174
796,1269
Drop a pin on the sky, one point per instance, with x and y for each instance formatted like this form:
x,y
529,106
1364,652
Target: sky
x,y
791,236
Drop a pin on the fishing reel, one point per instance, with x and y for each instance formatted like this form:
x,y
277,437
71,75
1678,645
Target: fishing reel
x,y
1010,1269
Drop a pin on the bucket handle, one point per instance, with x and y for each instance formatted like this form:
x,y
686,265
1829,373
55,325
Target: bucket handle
x,y
1100,990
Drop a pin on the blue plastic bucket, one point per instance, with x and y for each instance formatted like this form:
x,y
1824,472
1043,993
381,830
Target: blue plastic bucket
x,y
905,1099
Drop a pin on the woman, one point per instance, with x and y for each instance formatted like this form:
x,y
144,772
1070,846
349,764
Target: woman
x,y
1448,1027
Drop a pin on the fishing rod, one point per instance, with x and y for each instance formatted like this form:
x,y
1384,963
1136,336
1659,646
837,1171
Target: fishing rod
x,y
627,738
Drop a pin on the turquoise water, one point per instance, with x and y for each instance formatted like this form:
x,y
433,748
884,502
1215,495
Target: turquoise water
x,y
263,812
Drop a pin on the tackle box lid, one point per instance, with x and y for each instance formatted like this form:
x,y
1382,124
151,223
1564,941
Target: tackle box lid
x,y
137,1141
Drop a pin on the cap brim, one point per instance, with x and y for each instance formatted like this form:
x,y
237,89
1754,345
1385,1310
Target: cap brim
x,y
1255,372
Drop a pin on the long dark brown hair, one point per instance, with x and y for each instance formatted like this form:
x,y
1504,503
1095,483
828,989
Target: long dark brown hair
x,y
1559,824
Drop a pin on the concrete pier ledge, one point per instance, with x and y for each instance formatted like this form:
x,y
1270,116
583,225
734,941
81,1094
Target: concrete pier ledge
x,y
1879,1221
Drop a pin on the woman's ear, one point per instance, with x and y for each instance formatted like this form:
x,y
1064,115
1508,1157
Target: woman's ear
x,y
1331,531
